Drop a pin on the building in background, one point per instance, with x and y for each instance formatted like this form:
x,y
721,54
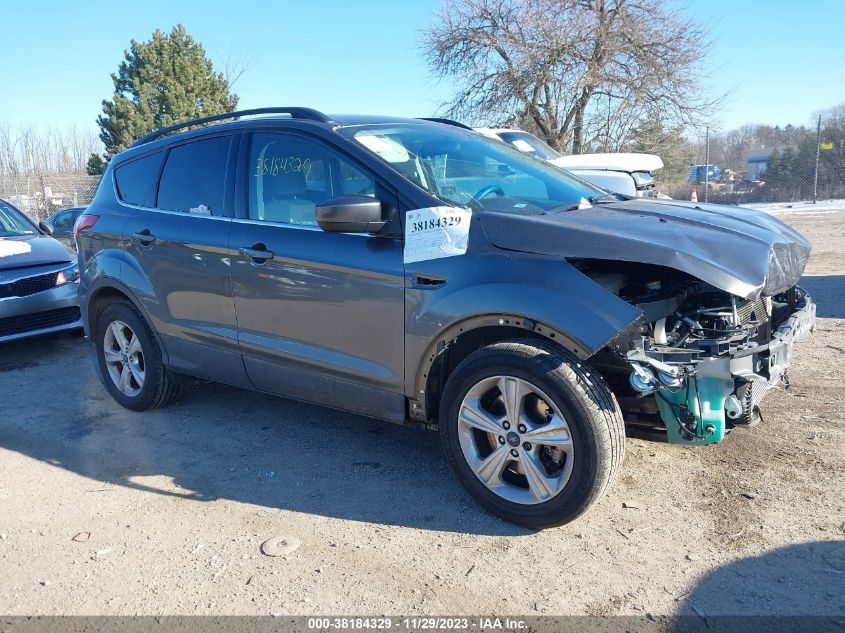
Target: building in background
x,y
757,161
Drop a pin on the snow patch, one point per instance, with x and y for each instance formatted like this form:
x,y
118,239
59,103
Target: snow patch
x,y
822,207
10,248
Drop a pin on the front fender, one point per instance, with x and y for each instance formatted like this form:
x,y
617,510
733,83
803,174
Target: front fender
x,y
545,295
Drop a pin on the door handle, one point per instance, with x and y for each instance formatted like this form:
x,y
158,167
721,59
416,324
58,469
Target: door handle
x,y
417,280
257,252
144,237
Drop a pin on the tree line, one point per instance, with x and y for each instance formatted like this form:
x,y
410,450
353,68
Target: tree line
x,y
731,149
29,150
790,154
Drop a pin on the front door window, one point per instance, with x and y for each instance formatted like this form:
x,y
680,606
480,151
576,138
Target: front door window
x,y
290,175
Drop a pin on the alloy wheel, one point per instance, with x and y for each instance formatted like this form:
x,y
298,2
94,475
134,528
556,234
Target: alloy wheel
x,y
515,440
124,358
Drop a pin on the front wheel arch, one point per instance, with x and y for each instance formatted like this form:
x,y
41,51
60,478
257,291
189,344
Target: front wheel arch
x,y
455,343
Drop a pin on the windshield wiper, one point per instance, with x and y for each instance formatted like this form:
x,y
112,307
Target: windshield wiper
x,y
610,197
584,203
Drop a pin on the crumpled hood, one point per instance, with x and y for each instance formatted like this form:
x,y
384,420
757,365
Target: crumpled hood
x,y
32,250
741,251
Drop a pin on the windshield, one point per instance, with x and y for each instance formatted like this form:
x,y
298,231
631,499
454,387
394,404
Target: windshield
x,y
530,144
463,168
12,222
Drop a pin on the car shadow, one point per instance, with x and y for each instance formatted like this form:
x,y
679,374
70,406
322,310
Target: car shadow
x,y
795,588
827,291
219,442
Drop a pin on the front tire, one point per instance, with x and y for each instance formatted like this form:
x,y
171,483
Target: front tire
x,y
130,361
532,432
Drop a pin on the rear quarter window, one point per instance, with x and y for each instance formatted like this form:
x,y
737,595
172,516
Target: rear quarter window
x,y
136,180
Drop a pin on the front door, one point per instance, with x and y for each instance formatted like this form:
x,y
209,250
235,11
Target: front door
x,y
320,315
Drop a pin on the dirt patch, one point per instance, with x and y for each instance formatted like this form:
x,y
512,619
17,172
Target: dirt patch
x,y
178,502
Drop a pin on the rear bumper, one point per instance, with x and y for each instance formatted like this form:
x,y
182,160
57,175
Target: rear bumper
x,y
53,310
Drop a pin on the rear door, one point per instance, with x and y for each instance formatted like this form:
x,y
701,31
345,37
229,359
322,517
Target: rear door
x,y
320,315
179,247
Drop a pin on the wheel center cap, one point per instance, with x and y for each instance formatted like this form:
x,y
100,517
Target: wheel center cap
x,y
513,439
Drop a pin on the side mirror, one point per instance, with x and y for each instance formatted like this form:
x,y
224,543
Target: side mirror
x,y
350,214
45,227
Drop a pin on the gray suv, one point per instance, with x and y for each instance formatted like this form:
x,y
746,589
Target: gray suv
x,y
415,271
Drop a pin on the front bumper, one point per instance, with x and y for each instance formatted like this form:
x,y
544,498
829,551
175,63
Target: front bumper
x,y
53,310
723,391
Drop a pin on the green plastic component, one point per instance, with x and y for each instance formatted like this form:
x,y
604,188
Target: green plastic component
x,y
705,398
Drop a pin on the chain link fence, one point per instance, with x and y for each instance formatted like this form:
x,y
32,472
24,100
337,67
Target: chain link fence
x,y
764,164
41,195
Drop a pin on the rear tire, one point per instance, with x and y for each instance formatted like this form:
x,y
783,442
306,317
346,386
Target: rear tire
x,y
130,361
532,462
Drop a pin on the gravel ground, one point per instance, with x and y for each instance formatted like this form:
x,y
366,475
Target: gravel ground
x,y
179,501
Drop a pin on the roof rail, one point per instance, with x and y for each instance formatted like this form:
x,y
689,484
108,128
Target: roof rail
x,y
445,121
295,113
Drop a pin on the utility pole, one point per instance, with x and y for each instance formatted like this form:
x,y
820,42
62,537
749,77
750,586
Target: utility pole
x,y
818,150
706,160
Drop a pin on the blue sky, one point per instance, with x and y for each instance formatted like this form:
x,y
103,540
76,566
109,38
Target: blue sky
x,y
781,59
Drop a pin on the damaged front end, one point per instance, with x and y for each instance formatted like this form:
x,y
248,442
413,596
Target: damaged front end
x,y
701,359
716,289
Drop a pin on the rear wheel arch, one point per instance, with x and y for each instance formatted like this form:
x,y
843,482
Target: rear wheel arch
x,y
458,341
108,291
99,300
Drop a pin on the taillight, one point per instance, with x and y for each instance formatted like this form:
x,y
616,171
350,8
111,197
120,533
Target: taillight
x,y
84,222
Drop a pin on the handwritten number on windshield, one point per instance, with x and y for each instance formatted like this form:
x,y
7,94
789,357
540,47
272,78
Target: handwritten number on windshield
x,y
277,165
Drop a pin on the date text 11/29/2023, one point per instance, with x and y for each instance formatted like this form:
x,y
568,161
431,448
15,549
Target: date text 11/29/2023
x,y
422,623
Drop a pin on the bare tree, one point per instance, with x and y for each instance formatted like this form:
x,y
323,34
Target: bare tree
x,y
234,66
8,150
578,70
737,144
28,150
833,116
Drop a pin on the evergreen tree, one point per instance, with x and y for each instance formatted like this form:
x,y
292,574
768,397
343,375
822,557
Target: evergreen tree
x,y
96,165
162,81
653,136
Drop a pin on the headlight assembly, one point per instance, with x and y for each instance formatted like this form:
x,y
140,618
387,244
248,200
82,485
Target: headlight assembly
x,y
69,275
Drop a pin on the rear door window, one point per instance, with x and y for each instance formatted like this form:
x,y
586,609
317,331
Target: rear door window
x,y
194,177
136,180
